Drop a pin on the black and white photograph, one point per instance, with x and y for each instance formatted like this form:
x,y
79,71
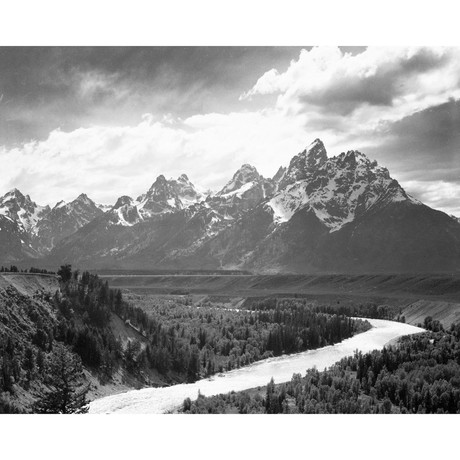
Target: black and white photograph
x,y
229,229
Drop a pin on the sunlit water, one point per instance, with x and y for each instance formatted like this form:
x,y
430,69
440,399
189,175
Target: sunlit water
x,y
160,400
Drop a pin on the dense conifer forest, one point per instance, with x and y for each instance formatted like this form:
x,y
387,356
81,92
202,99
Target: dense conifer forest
x,y
189,342
420,375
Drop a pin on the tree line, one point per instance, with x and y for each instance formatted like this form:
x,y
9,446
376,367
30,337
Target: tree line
x,y
15,269
420,375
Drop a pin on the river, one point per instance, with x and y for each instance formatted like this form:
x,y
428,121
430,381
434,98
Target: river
x,y
281,368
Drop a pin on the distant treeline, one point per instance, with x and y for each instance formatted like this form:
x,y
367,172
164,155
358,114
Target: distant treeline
x,y
166,272
364,310
14,269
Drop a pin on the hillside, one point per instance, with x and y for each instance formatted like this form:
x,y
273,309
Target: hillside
x,y
41,320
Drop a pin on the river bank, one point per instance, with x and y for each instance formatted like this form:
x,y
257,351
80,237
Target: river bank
x,y
161,400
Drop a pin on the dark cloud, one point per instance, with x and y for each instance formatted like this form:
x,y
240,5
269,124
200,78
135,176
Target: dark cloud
x,y
379,88
425,145
44,87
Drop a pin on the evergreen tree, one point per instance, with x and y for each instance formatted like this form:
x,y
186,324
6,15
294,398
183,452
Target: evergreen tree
x,y
65,374
65,272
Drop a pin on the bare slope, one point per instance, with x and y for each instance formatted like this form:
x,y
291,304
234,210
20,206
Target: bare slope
x,y
29,283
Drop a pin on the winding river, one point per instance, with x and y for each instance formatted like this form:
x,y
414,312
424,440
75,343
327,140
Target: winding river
x,y
281,368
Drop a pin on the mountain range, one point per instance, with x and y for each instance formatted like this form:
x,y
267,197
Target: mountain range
x,y
343,214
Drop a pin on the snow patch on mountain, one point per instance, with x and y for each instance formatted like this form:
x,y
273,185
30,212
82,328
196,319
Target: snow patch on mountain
x,y
163,197
247,174
21,209
239,191
337,190
285,204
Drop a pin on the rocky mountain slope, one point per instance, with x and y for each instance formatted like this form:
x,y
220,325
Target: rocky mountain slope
x,y
63,220
31,230
339,214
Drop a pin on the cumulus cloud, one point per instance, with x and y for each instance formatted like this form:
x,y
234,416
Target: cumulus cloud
x,y
437,194
330,80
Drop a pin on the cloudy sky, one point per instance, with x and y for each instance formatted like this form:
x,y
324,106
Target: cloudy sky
x,y
107,121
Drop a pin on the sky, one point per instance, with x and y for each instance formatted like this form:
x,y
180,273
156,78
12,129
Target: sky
x,y
108,121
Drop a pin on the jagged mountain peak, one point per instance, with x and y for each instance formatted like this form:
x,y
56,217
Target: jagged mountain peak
x,y
63,220
315,153
21,209
165,196
245,176
313,157
123,200
246,172
359,164
279,174
81,200
246,167
354,158
337,189
59,204
304,164
14,192
16,196
160,191
83,197
160,181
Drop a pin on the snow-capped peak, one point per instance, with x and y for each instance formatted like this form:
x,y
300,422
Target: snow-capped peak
x,y
315,153
21,209
79,205
183,178
59,204
123,200
164,196
245,177
83,198
279,174
336,189
125,212
305,164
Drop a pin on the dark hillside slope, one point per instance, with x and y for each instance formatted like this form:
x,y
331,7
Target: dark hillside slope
x,y
39,316
398,237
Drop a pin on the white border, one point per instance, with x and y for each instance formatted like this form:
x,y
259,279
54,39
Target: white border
x,y
200,22
239,22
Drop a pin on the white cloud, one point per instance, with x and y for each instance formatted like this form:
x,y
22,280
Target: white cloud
x,y
440,194
363,87
106,162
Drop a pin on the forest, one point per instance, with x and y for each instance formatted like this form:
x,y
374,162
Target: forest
x,y
178,340
420,375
